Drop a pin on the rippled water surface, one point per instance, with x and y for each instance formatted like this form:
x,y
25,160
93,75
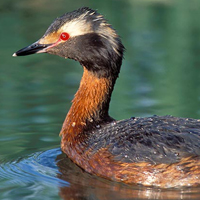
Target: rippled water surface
x,y
160,75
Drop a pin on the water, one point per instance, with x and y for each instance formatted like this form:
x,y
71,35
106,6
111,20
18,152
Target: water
x,y
160,75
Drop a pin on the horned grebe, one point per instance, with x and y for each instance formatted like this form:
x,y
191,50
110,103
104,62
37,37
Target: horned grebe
x,y
156,151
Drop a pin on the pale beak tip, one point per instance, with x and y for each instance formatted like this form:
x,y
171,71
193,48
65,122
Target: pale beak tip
x,y
14,55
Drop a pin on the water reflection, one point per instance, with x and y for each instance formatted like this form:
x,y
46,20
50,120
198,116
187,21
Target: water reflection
x,y
86,186
52,172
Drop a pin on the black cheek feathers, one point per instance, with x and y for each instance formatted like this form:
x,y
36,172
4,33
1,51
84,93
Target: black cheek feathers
x,y
93,52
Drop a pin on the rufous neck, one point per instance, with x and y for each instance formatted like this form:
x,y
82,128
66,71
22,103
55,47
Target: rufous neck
x,y
90,104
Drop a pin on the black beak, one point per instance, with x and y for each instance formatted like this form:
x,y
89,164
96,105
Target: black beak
x,y
31,49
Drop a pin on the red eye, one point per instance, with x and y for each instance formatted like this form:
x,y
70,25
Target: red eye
x,y
64,36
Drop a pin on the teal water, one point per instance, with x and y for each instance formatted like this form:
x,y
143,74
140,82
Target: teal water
x,y
160,75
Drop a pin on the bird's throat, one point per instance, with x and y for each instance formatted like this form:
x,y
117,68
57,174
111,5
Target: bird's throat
x,y
89,106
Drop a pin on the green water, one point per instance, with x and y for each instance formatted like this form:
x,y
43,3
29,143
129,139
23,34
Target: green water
x,y
160,75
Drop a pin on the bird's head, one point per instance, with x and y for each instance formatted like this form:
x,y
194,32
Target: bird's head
x,y
85,36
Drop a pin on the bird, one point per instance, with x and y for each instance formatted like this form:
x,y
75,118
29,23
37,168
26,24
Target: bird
x,y
160,151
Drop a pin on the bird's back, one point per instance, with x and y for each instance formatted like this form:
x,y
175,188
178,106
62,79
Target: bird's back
x,y
154,139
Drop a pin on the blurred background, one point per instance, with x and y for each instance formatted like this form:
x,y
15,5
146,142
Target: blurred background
x,y
160,74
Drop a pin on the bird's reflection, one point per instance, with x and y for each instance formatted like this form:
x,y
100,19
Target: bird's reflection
x,y
85,186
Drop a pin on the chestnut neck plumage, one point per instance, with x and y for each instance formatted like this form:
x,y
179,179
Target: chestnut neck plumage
x,y
89,106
